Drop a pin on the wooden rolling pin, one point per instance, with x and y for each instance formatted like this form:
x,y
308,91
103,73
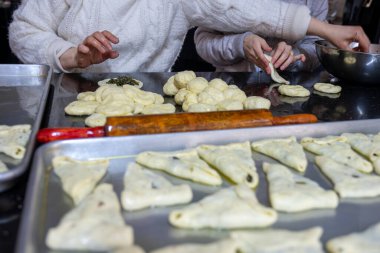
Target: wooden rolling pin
x,y
179,122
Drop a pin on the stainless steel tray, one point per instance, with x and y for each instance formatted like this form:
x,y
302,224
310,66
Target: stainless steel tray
x,y
46,203
23,94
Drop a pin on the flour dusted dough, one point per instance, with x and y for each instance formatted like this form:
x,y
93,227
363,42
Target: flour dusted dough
x,y
290,192
144,188
78,177
95,224
169,87
184,164
13,139
244,211
180,97
190,99
182,78
287,151
158,109
233,160
367,145
81,108
234,94
218,83
96,120
367,241
222,246
199,107
197,85
348,182
293,91
337,149
327,88
256,102
279,241
273,72
211,96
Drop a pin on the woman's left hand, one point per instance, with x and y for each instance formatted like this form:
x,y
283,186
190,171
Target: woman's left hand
x,y
283,56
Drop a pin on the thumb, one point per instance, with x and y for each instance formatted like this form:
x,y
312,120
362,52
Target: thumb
x,y
265,46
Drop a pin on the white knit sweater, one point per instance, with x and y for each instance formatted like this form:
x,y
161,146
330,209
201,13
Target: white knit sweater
x,y
151,32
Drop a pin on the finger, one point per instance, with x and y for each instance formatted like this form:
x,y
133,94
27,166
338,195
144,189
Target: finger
x,y
284,56
91,41
259,53
364,42
83,49
300,57
110,37
286,64
278,51
114,54
265,46
103,40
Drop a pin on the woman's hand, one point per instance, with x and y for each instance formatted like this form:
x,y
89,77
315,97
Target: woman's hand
x,y
283,56
95,49
254,47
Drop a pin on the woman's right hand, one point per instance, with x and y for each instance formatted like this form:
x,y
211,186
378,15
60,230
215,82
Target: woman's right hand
x,y
95,49
254,47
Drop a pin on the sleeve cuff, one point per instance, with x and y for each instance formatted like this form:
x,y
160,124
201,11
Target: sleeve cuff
x,y
297,19
55,51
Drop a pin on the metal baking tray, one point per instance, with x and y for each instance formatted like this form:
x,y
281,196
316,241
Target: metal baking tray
x,y
23,93
46,202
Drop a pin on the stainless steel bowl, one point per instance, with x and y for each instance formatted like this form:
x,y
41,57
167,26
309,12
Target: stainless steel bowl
x,y
352,67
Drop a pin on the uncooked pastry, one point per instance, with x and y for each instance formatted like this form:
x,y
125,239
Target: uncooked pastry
x,y
158,109
182,78
218,83
222,246
96,120
116,108
327,88
230,105
293,91
199,107
197,85
13,140
3,167
273,72
169,87
256,102
180,97
81,108
210,96
86,96
234,94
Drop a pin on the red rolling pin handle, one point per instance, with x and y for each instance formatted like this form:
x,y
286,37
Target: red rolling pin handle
x,y
55,134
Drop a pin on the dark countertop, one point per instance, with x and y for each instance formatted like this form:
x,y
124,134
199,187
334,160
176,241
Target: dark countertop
x,y
354,103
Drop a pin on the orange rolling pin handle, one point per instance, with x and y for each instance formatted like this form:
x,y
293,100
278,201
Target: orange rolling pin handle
x,y
295,119
55,134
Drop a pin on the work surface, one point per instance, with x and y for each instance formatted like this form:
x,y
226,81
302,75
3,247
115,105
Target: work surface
x,y
354,103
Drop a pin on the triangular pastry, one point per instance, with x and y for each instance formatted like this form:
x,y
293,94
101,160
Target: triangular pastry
x,y
184,164
287,151
13,140
337,148
95,224
233,160
290,192
79,177
230,208
144,188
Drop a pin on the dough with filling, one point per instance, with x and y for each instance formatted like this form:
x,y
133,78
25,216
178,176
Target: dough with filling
x,y
327,88
95,224
348,182
279,241
96,120
234,94
232,160
144,188
79,177
210,96
197,85
256,102
116,108
290,192
81,108
184,164
86,96
13,139
191,98
244,211
337,148
286,150
273,72
293,91
169,87
182,78
105,82
218,83
367,241
180,97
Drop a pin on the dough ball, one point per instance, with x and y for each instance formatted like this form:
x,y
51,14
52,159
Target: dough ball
x,y
169,87
144,97
190,99
116,108
327,88
180,97
256,102
138,108
80,108
210,96
230,105
233,86
234,94
182,78
293,90
218,83
86,96
158,99
158,109
96,120
197,85
199,107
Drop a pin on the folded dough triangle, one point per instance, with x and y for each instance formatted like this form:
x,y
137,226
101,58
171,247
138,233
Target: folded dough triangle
x,y
78,177
287,151
234,207
273,72
13,140
144,188
348,182
184,164
367,241
233,160
337,148
290,192
366,145
279,241
95,224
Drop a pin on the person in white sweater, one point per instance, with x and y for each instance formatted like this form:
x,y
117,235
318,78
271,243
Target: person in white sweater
x,y
244,52
147,35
